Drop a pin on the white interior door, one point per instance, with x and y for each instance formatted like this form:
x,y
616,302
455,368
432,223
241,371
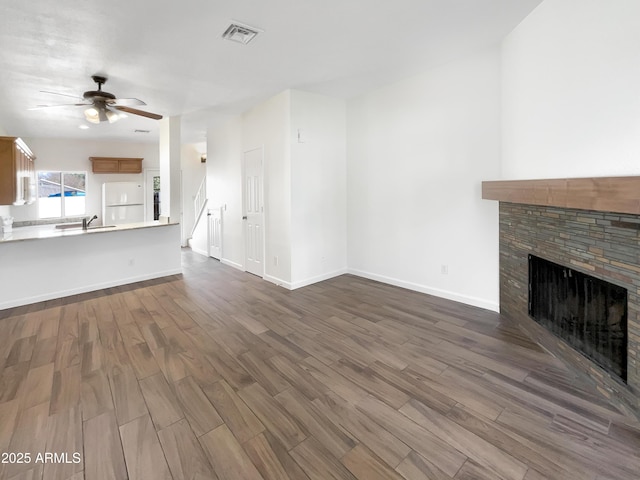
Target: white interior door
x,y
253,212
215,232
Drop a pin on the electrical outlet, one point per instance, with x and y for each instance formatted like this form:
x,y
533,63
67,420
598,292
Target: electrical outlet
x,y
132,262
275,260
444,269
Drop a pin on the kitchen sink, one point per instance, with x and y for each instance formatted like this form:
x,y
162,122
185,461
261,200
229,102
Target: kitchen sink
x,y
66,226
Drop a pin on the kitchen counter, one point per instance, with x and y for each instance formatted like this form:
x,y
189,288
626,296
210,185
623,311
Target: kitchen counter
x,y
39,263
50,231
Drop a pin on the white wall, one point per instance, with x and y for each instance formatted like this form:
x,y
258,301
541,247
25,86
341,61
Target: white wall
x,y
304,183
73,155
571,91
264,127
318,188
169,151
224,172
417,151
193,172
267,126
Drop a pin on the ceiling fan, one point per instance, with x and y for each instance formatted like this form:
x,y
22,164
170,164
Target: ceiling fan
x,y
103,106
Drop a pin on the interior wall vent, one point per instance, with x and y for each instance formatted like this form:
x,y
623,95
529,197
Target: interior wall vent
x,y
237,32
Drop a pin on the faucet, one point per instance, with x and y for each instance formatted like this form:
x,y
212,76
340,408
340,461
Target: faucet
x,y
85,223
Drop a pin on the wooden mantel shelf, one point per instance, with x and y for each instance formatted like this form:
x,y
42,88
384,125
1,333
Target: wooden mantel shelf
x,y
603,194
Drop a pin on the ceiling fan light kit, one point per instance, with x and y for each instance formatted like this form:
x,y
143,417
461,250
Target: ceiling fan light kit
x,y
92,115
112,116
99,112
104,106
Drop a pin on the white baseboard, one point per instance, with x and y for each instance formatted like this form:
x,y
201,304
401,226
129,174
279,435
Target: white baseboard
x,y
232,264
437,292
304,283
318,278
199,251
278,281
86,288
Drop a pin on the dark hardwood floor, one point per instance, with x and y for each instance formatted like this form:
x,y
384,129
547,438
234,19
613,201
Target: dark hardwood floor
x,y
218,374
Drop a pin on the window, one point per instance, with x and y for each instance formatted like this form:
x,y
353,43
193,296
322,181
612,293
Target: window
x,y
61,194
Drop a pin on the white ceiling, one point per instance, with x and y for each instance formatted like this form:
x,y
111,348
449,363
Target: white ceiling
x,y
171,55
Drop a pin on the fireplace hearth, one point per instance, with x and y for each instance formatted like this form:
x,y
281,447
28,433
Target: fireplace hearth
x,y
588,313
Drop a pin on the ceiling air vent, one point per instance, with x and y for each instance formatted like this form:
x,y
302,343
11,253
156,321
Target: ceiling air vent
x,y
236,32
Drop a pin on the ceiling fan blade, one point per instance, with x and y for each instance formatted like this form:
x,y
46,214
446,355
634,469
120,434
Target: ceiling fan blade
x,y
42,107
61,94
126,102
135,111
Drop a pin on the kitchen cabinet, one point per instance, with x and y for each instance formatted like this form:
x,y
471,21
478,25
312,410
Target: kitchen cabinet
x,y
116,165
17,172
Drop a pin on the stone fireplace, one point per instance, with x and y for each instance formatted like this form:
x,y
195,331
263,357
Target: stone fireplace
x,y
537,219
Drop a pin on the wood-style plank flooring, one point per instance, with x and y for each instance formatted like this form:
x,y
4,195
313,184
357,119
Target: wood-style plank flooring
x,y
217,374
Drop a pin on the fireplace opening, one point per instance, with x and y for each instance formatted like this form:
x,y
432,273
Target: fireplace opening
x,y
588,313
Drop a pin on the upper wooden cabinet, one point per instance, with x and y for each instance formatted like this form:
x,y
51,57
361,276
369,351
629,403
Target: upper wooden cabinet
x,y
17,172
116,165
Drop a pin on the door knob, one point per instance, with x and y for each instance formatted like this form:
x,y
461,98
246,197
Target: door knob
x,y
244,217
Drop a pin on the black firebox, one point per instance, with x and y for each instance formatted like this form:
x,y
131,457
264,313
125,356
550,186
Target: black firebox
x,y
588,313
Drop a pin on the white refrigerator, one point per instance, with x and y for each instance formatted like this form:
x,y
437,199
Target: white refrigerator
x,y
122,202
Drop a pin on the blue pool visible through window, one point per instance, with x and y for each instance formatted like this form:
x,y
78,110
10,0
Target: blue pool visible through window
x,y
61,194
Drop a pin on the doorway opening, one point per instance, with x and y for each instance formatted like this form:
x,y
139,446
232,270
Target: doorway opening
x,y
152,194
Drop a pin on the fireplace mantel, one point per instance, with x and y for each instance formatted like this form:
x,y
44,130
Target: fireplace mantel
x,y
602,194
